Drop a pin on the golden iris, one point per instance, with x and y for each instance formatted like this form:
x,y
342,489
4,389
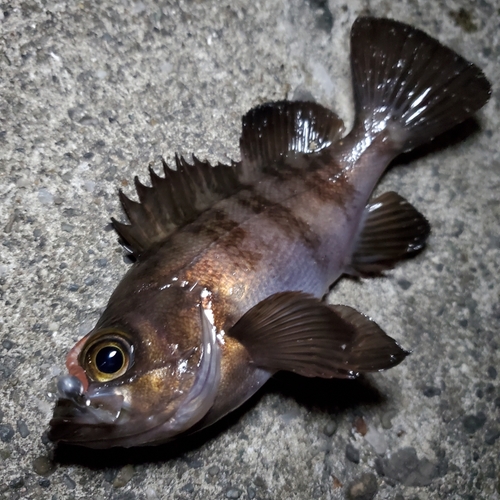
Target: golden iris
x,y
107,357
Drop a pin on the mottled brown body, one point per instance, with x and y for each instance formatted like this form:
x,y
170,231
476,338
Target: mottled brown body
x,y
256,243
232,262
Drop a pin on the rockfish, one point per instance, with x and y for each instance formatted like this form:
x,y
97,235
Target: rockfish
x,y
232,261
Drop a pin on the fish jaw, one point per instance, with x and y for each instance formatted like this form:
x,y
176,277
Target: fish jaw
x,y
106,415
86,417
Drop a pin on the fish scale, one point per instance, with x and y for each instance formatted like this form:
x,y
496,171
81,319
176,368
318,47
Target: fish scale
x,y
232,261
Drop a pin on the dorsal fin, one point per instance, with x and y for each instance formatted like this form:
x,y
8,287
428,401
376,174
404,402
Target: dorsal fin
x,y
283,132
173,201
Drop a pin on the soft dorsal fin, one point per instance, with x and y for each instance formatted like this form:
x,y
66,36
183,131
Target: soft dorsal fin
x,y
283,132
173,201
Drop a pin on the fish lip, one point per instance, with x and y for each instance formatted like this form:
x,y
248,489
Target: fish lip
x,y
92,418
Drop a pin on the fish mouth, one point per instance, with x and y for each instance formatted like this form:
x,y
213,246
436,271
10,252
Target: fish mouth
x,y
105,416
79,415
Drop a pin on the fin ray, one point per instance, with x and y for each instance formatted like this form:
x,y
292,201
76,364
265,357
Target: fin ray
x,y
392,230
285,132
296,332
173,200
270,132
408,83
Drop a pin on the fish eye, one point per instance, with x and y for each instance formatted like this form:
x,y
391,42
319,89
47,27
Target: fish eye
x,y
107,357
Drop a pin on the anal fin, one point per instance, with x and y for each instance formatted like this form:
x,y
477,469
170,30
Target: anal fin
x,y
392,230
296,332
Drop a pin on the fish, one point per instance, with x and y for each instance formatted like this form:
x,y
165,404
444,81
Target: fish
x,y
232,262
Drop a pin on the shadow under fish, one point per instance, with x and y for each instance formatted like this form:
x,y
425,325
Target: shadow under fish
x,y
232,261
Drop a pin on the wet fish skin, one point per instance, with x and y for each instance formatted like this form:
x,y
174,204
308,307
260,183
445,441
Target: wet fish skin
x,y
232,261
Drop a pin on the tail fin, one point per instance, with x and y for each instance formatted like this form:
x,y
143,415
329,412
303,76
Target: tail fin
x,y
408,83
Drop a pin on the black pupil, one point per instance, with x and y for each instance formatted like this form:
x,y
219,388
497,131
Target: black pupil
x,y
109,359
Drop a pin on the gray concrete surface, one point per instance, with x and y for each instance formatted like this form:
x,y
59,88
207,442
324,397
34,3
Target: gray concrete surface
x,y
90,93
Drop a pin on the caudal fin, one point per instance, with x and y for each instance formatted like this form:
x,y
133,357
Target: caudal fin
x,y
409,84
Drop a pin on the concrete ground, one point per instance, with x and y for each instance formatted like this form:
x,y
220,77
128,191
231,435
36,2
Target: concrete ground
x,y
90,93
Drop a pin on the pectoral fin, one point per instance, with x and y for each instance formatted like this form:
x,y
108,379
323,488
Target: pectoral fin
x,y
392,229
295,332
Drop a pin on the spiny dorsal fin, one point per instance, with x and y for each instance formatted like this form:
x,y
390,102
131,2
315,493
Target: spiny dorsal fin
x,y
284,132
173,201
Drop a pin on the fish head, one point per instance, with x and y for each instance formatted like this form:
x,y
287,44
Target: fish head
x,y
148,371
